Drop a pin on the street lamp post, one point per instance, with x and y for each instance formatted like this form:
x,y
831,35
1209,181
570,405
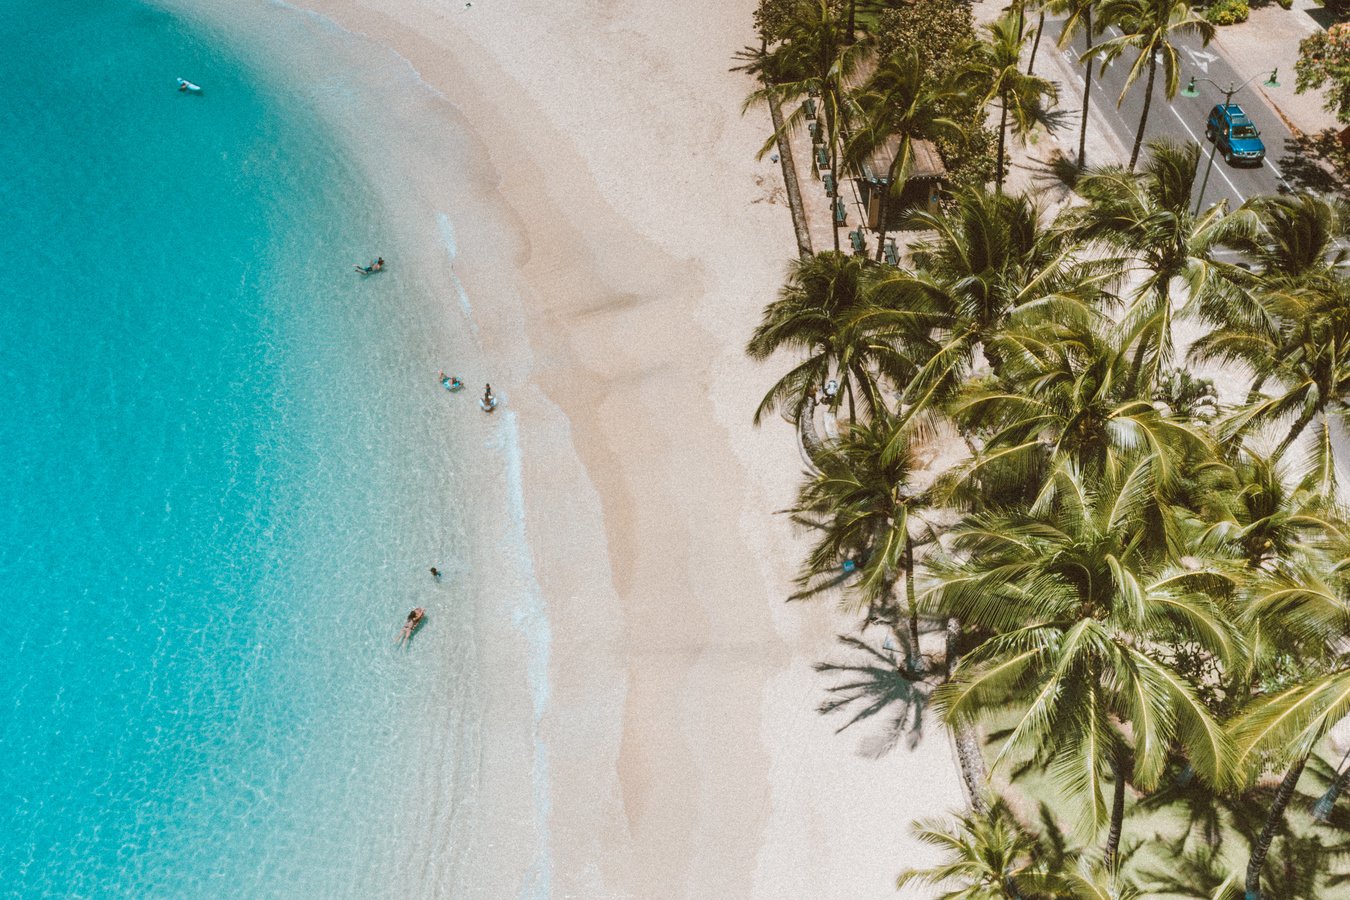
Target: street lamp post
x,y
1228,92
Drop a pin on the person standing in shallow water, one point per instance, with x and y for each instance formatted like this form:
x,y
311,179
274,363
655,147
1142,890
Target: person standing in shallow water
x,y
435,573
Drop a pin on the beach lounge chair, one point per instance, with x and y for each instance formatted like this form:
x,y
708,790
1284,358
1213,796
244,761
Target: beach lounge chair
x,y
840,213
822,158
892,254
855,237
810,106
814,128
828,178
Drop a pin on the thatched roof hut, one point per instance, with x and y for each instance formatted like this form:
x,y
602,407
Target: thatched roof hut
x,y
924,184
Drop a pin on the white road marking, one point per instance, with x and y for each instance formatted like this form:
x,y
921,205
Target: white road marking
x,y
1241,198
1278,173
1201,58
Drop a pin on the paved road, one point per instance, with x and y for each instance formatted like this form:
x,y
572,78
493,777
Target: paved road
x,y
1184,118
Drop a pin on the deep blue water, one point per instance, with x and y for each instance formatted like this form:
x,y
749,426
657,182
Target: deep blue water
x,y
207,533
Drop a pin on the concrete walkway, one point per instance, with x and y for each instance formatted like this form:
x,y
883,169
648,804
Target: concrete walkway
x,y
1270,37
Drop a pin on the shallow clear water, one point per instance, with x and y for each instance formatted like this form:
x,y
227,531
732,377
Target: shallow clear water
x,y
223,480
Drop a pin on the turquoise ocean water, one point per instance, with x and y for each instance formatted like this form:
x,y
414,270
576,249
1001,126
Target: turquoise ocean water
x,y
223,481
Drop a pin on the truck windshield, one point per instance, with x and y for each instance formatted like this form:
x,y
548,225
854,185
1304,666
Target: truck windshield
x,y
1244,131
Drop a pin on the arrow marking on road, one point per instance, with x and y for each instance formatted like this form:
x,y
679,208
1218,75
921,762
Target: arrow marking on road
x,y
1201,58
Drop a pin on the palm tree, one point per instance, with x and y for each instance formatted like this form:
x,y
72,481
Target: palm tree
x,y
1148,26
1298,612
1041,7
897,99
1063,396
986,856
1287,727
1297,239
1078,14
817,56
1147,215
1300,235
862,504
1289,323
1264,519
1080,599
989,855
1021,95
1304,349
822,312
989,261
813,316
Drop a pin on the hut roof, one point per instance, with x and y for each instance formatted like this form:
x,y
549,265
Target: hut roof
x,y
926,163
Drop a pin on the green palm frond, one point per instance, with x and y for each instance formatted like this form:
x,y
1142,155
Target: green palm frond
x,y
1289,724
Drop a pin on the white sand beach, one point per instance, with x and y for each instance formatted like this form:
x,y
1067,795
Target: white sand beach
x,y
647,700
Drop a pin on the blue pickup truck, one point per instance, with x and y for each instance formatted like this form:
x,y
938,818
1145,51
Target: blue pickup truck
x,y
1234,135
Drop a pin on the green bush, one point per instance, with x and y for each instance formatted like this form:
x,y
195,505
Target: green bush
x,y
1324,64
1285,4
1227,12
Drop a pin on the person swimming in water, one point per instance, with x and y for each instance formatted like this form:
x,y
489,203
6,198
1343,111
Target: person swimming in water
x,y
410,624
376,266
450,382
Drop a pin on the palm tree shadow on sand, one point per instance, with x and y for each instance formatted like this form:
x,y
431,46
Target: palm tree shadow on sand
x,y
876,682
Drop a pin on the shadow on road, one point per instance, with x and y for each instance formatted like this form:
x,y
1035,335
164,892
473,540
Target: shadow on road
x,y
1326,16
1316,162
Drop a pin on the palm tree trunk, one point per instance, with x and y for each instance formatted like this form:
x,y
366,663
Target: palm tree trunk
x,y
1117,812
806,428
1036,43
966,738
972,766
949,659
794,191
915,660
1300,424
1137,367
1002,136
1273,820
901,152
1087,90
834,193
832,136
852,4
1255,390
1143,119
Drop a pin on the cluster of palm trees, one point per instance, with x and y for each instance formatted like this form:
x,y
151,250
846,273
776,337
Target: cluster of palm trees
x,y
1143,583
821,49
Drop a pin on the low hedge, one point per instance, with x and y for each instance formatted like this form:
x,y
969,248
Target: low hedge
x,y
1228,12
